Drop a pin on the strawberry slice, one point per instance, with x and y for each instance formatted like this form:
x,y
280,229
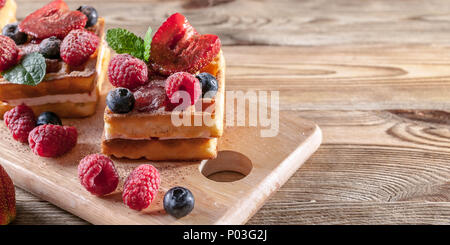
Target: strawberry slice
x,y
54,19
177,47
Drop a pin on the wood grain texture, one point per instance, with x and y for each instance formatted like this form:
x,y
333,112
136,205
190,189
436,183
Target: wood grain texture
x,y
373,74
374,167
354,179
345,77
34,211
285,22
273,161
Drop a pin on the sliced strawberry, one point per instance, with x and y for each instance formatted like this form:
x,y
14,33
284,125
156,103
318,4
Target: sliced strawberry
x,y
177,47
151,96
54,19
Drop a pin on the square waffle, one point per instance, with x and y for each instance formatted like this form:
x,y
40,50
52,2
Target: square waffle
x,y
153,135
66,91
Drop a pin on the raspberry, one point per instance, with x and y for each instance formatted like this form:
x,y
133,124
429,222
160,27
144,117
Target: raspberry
x,y
98,174
52,140
127,71
54,19
9,53
176,47
20,121
182,81
2,3
150,97
141,187
78,46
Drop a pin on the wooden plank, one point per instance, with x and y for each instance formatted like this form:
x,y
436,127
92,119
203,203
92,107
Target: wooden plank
x,y
265,22
353,213
32,210
362,174
307,22
374,167
345,77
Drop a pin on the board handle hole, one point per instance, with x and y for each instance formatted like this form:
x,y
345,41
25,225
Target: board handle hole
x,y
229,166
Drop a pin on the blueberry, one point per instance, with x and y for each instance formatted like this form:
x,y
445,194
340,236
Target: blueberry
x,y
50,47
12,31
48,117
120,100
178,202
91,13
209,84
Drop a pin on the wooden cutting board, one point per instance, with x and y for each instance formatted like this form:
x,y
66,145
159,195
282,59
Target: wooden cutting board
x,y
269,162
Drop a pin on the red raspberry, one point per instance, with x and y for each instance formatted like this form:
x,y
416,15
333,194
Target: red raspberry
x,y
141,187
78,46
183,81
98,174
127,71
54,19
2,3
150,97
20,121
9,53
52,140
177,46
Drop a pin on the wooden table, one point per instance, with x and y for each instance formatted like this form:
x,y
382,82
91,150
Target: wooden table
x,y
375,75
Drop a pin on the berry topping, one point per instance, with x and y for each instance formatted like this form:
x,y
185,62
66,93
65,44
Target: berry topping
x,y
9,53
127,71
141,187
97,174
78,46
48,117
178,202
12,31
2,3
209,84
91,14
52,140
150,97
176,47
49,48
182,85
120,100
20,121
54,19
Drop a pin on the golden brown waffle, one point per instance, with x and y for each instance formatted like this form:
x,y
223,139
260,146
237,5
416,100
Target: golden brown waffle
x,y
64,80
154,137
162,150
64,110
138,125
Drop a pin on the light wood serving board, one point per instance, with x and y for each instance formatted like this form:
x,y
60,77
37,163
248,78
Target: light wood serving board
x,y
274,160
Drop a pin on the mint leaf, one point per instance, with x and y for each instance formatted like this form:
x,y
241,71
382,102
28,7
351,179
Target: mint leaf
x,y
31,71
123,41
147,44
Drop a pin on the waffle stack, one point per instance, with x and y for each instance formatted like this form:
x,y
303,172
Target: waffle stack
x,y
153,136
67,91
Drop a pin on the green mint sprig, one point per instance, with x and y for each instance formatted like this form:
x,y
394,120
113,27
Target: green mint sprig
x,y
30,71
147,44
125,42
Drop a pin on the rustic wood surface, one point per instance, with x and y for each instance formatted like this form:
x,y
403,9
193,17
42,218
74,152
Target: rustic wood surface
x,y
375,75
269,163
